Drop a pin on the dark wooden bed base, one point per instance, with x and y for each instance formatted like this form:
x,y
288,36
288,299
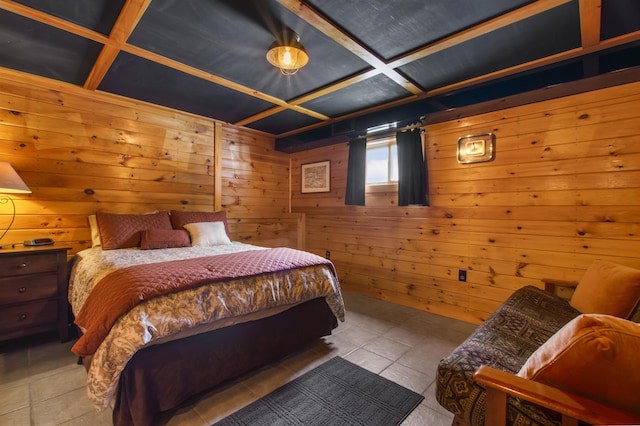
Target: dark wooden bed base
x,y
160,378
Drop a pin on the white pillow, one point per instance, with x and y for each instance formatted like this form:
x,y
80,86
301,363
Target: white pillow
x,y
95,231
204,234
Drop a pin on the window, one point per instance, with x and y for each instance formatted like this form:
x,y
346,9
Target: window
x,y
382,161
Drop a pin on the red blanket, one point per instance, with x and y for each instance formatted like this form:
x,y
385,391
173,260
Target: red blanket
x,y
125,288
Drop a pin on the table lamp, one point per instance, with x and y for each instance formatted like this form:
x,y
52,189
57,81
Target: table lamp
x,y
10,183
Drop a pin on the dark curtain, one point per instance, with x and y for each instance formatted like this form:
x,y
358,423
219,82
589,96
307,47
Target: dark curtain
x,y
412,170
356,177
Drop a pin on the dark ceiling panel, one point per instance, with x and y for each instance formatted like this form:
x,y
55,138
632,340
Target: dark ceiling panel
x,y
619,17
393,28
626,56
228,39
97,15
551,32
283,122
155,83
513,85
377,90
43,50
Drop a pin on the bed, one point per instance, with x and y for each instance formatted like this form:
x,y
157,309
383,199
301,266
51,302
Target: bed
x,y
168,307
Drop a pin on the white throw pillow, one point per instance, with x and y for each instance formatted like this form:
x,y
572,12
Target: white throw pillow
x,y
95,231
204,234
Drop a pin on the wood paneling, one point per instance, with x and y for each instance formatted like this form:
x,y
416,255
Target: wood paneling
x,y
255,189
81,151
563,190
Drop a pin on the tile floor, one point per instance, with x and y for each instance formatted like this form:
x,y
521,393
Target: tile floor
x,y
41,384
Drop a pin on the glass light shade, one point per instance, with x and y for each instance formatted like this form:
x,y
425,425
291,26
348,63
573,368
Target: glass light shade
x,y
288,57
10,182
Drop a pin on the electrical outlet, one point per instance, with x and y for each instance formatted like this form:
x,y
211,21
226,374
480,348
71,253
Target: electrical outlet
x,y
462,275
327,254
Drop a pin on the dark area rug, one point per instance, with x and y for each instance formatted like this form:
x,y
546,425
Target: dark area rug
x,y
335,393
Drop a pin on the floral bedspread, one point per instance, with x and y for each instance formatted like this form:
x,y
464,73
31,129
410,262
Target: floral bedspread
x,y
160,318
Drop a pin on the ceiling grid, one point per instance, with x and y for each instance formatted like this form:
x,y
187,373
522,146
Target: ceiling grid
x,y
369,59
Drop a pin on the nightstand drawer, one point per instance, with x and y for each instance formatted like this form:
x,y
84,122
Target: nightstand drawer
x,y
33,291
23,288
27,315
23,264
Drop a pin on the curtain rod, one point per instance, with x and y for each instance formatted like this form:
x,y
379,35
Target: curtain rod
x,y
392,132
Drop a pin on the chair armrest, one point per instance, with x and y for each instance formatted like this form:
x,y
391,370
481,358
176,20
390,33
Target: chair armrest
x,y
499,384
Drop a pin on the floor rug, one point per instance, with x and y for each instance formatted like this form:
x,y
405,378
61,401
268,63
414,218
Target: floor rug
x,y
334,393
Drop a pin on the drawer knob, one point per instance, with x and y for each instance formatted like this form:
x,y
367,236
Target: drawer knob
x,y
22,289
23,317
22,265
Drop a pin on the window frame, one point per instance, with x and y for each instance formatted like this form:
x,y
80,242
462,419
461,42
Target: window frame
x,y
375,143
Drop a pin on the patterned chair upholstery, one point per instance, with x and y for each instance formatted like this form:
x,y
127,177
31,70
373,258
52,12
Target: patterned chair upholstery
x,y
505,341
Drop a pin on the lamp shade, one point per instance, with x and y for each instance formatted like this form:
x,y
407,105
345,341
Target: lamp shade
x,y
10,182
288,56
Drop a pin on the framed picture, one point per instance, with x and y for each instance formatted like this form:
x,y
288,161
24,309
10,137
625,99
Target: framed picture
x,y
476,148
315,177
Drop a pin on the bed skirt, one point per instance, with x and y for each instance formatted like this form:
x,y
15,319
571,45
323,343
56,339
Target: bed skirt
x,y
161,377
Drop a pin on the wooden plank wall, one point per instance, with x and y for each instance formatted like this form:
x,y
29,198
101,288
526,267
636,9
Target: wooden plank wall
x,y
255,190
563,190
82,151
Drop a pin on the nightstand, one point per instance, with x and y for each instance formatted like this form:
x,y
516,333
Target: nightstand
x,y
33,291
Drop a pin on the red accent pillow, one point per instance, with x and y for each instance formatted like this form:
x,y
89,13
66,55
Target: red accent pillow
x,y
164,238
180,218
123,230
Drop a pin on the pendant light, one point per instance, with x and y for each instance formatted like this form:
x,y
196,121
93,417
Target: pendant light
x,y
288,55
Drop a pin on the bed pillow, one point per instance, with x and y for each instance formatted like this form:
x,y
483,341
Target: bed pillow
x,y
180,218
152,239
607,288
206,234
95,231
593,355
123,230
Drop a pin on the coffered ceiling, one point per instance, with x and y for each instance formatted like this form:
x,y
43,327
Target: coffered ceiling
x,y
371,61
